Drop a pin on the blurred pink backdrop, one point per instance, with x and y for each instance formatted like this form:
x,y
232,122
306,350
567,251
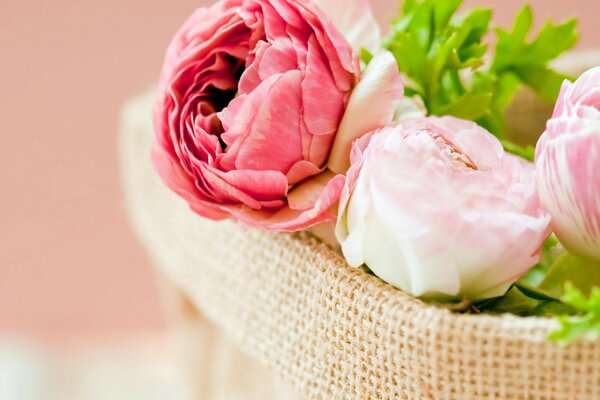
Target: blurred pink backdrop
x,y
70,267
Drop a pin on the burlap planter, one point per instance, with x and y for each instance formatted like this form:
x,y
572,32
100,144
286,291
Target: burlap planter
x,y
308,326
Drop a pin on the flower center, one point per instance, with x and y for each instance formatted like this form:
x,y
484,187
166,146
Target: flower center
x,y
452,152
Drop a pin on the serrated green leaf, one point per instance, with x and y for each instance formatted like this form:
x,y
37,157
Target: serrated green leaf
x,y
543,80
586,324
510,46
442,57
523,23
469,106
552,41
513,49
473,26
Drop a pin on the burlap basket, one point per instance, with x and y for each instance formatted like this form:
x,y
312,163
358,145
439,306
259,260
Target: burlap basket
x,y
282,316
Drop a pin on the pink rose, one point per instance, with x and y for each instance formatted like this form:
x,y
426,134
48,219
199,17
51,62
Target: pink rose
x,y
434,206
568,165
251,97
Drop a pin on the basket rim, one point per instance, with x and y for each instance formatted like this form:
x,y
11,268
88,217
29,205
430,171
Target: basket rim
x,y
337,258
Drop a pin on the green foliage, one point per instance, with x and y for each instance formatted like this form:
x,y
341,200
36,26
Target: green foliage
x,y
521,61
432,47
557,288
581,272
514,302
527,152
586,323
443,55
538,273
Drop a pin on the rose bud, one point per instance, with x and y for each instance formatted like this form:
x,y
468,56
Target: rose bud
x,y
568,166
435,207
251,97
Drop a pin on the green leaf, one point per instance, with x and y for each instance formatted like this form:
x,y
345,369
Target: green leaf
x,y
440,53
523,23
470,106
443,11
549,309
365,56
506,88
536,275
543,80
586,324
470,57
552,41
408,6
494,123
443,58
452,87
514,54
411,57
527,152
421,23
534,292
474,26
514,302
513,48
583,273
511,45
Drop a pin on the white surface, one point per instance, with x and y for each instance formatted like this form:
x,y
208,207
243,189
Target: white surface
x,y
127,369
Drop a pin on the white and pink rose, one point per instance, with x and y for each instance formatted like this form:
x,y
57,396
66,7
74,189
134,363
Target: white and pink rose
x,y
568,166
435,207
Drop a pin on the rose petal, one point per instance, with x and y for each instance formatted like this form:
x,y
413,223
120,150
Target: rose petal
x,y
287,219
181,183
372,105
569,185
273,141
355,20
307,194
323,103
301,170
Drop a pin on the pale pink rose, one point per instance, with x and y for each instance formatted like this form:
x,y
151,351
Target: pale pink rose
x,y
568,165
251,97
435,207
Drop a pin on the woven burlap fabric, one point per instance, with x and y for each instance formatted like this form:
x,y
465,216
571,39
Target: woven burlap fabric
x,y
331,331
211,365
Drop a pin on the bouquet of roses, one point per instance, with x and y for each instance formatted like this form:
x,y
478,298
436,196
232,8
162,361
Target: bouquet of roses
x,y
290,115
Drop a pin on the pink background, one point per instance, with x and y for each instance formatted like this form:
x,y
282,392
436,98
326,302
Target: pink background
x,y
70,267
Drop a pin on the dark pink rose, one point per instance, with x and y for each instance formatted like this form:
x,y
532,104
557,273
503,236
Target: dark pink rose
x,y
251,97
